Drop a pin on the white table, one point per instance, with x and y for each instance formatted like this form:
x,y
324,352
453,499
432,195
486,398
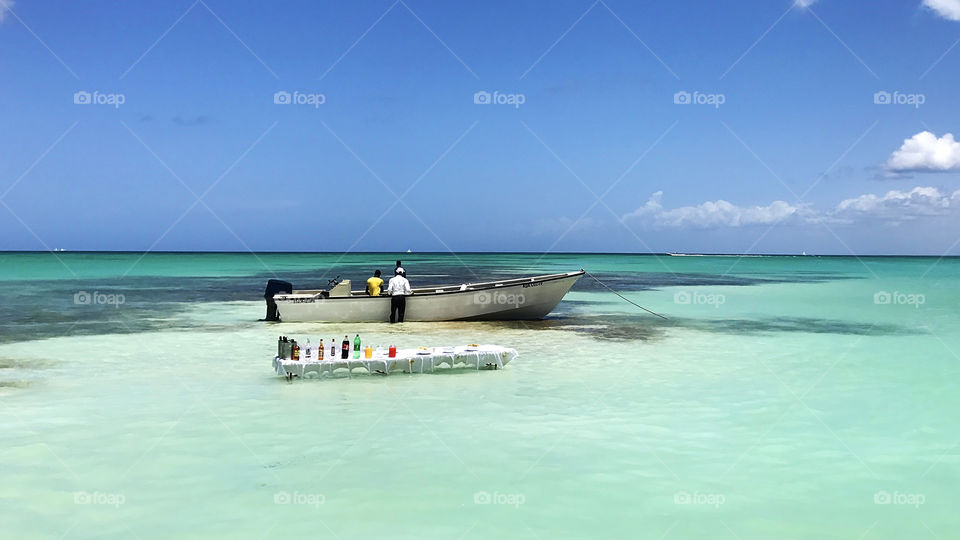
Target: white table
x,y
406,361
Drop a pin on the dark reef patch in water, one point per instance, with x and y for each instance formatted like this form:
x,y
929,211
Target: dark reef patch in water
x,y
799,324
649,281
622,328
20,363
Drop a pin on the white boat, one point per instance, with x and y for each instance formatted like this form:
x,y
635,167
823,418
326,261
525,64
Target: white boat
x,y
509,299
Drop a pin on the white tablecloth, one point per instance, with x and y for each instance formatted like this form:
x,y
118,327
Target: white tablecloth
x,y
407,360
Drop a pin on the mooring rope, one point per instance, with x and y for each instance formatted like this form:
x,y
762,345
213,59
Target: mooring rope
x,y
623,297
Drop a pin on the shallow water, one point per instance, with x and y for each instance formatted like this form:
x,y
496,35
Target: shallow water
x,y
778,400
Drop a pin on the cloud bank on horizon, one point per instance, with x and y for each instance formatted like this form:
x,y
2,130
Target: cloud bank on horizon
x,y
895,206
921,153
713,214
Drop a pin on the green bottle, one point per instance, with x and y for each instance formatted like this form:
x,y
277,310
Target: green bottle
x,y
356,347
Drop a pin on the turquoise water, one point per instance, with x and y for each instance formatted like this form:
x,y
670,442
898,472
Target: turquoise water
x,y
784,397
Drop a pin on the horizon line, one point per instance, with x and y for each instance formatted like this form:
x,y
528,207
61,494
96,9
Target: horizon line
x,y
540,253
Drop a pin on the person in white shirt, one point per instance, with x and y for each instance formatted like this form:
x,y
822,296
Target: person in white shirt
x,y
398,289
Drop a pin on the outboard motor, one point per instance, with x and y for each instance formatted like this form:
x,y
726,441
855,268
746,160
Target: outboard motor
x,y
275,286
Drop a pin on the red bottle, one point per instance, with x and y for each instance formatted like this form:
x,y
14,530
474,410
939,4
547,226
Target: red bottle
x,y
393,351
296,352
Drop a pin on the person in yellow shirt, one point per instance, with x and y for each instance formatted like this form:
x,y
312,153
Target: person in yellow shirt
x,y
374,284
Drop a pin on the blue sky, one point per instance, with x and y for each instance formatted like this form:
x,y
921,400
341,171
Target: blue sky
x,y
588,143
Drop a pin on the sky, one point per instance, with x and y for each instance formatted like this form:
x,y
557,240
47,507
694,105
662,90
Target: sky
x,y
739,126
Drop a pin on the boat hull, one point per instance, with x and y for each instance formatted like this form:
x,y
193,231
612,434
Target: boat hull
x,y
516,299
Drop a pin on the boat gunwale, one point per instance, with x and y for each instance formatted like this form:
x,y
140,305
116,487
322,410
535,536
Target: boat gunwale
x,y
430,291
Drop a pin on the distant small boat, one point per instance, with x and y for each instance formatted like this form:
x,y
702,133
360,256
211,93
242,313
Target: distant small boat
x,y
524,298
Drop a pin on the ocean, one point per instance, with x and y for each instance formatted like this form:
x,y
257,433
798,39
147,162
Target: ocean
x,y
782,397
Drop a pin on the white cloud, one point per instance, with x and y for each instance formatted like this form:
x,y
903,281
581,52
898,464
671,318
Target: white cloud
x,y
948,9
715,214
924,152
5,6
899,205
895,207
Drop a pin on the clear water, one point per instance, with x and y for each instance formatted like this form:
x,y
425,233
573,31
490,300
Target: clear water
x,y
780,401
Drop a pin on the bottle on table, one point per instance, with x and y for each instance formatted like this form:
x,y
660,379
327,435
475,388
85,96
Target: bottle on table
x,y
345,348
320,351
368,352
333,348
295,351
393,351
356,347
